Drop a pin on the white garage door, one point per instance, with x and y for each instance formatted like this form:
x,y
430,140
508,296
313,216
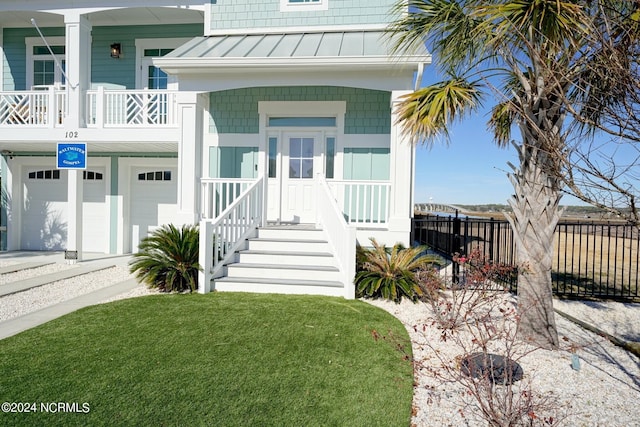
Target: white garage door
x,y
44,215
154,198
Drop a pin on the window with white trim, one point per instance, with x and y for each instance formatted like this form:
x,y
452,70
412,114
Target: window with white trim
x,y
303,5
42,69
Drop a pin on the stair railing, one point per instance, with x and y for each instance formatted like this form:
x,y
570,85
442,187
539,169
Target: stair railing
x,y
341,236
222,236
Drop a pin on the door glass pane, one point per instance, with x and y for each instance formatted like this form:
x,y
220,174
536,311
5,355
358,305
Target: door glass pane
x,y
294,168
301,158
63,64
295,148
329,157
157,78
43,72
307,147
307,168
273,157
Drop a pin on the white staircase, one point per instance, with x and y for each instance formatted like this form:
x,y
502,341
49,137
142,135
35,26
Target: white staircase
x,y
284,259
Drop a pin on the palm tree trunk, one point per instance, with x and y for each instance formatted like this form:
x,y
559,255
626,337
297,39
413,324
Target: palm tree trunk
x,y
534,219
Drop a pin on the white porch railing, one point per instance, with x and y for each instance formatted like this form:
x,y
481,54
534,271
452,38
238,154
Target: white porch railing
x,y
365,203
218,193
222,236
131,108
341,236
41,108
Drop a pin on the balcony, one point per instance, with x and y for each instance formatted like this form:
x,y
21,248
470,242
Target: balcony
x,y
37,108
104,109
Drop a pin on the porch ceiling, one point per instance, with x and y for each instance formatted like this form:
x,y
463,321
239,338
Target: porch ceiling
x,y
92,147
115,16
334,49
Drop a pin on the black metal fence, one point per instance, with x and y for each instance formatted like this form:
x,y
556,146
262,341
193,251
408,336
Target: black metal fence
x,y
591,259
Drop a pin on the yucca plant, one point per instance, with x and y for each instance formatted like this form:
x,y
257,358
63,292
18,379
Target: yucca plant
x,y
390,273
168,259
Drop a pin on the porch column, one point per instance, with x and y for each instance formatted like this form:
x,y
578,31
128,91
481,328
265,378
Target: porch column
x,y
191,106
78,58
401,175
2,58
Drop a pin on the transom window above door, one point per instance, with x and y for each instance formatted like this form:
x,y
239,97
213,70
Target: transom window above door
x,y
301,158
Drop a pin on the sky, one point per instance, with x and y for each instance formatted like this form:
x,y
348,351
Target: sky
x,y
471,169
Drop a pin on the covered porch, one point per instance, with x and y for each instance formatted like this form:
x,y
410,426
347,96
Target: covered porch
x,y
299,128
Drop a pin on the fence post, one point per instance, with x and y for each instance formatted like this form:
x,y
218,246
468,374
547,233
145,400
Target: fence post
x,y
492,233
456,246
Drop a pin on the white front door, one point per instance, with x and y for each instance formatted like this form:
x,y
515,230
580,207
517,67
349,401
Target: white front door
x,y
302,160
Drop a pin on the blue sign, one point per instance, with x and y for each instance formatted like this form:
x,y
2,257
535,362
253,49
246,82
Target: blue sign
x,y
72,155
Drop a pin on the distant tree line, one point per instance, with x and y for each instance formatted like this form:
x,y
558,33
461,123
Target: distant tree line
x,y
573,210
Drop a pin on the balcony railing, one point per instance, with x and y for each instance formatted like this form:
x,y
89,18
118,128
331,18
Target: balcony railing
x,y
36,108
46,108
131,108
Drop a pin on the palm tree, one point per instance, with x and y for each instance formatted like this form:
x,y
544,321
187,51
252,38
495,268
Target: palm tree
x,y
529,54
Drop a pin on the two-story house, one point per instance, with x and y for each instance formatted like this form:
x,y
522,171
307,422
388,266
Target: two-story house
x,y
249,117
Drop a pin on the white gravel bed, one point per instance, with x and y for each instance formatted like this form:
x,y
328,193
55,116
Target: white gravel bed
x,y
21,303
603,392
619,319
33,272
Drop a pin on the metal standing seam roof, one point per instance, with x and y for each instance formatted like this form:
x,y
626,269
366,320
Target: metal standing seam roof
x,y
335,44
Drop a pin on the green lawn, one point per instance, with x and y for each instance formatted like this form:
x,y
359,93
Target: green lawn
x,y
221,359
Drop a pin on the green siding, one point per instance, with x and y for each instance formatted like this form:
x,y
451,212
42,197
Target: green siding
x,y
122,71
104,69
236,110
15,50
231,14
233,162
366,164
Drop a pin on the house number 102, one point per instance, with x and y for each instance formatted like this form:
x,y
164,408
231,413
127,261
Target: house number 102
x,y
71,134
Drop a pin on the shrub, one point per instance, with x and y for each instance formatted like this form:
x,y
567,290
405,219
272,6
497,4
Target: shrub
x,y
390,274
168,259
478,323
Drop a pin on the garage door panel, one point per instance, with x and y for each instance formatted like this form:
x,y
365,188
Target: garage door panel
x,y
154,200
44,216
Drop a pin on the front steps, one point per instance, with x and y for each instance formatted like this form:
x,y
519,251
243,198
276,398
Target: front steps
x,y
284,259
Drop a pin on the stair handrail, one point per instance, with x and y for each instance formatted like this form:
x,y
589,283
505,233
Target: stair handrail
x,y
341,235
222,236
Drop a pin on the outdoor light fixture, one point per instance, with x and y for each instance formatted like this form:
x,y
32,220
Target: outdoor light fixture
x,y
116,50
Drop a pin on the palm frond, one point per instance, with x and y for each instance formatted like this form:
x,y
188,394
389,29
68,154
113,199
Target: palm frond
x,y
389,273
429,111
168,259
500,123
